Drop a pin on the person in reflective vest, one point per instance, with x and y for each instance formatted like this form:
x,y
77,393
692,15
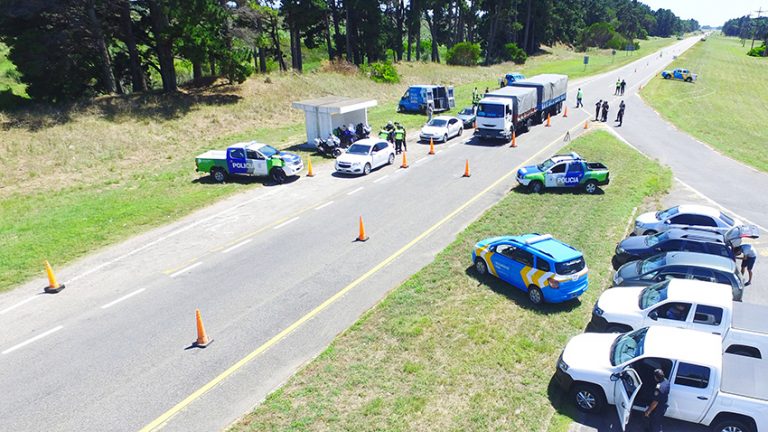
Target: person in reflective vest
x,y
385,135
400,138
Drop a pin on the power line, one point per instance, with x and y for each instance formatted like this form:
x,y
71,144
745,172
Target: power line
x,y
756,23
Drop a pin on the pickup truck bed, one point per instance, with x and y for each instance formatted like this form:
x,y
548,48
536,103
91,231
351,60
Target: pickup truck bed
x,y
596,166
744,376
214,154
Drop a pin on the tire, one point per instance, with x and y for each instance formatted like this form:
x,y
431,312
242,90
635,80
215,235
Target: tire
x,y
649,232
590,187
218,175
391,159
732,425
445,138
367,169
461,131
536,187
481,267
689,79
667,76
617,328
588,398
278,175
535,295
336,152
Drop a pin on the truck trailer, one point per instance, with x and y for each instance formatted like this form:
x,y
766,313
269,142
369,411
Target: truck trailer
x,y
550,93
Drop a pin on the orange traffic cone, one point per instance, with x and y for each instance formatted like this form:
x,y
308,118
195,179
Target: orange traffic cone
x,y
514,139
549,121
309,168
466,169
586,124
53,286
405,161
362,237
431,146
565,113
202,339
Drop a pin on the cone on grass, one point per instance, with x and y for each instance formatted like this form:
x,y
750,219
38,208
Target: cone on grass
x,y
310,173
53,286
202,339
466,169
565,113
362,237
586,124
431,146
514,139
549,121
405,161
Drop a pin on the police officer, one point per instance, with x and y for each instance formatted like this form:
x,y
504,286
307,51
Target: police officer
x,y
579,97
605,111
475,96
655,411
598,105
620,116
400,138
384,134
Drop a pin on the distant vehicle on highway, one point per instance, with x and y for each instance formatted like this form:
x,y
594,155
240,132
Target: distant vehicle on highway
x,y
547,269
684,215
679,74
365,155
250,159
441,128
564,171
468,116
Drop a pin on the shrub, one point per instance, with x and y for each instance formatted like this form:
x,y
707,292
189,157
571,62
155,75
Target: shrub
x,y
464,54
514,53
382,72
617,42
756,51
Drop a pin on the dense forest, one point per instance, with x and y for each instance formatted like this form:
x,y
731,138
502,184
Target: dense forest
x,y
65,49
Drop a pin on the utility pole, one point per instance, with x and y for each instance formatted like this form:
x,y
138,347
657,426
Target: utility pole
x,y
754,30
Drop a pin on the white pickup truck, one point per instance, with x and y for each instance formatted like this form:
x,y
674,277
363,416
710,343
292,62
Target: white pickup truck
x,y
726,392
685,303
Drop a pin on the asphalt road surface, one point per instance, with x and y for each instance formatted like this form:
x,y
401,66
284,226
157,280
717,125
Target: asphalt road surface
x,y
276,274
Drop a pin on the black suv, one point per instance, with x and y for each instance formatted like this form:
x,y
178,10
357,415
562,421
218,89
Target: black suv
x,y
673,240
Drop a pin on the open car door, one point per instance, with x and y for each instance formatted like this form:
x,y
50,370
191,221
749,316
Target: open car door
x,y
624,391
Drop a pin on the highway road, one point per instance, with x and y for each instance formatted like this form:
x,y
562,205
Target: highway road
x,y
276,274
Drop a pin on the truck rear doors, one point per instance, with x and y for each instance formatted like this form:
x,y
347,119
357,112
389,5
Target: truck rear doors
x,y
451,99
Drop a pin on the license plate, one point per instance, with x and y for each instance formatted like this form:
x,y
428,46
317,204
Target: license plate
x,y
575,277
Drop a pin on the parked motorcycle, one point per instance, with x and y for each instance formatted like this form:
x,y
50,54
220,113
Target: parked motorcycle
x,y
330,146
362,131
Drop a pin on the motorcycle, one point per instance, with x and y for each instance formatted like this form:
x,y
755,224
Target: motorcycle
x,y
362,131
330,146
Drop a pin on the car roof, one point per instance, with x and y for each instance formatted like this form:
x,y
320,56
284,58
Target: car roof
x,y
685,345
546,245
566,157
369,141
695,235
248,144
699,209
696,291
446,118
695,259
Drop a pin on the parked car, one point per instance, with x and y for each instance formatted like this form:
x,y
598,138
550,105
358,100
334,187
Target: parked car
x,y
468,116
441,128
723,391
249,159
684,215
547,269
365,155
679,74
564,171
681,265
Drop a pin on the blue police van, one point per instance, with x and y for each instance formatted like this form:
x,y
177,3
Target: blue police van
x,y
418,97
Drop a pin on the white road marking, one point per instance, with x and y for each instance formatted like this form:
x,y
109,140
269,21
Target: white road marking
x,y
231,248
29,341
186,269
381,178
286,223
12,307
324,205
355,191
127,296
424,159
454,144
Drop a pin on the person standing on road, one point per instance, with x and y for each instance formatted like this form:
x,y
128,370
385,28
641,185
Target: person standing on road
x,y
475,97
598,105
622,85
400,138
618,87
748,257
655,411
579,97
430,110
620,116
605,111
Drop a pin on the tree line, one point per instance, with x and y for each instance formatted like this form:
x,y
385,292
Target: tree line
x,y
66,49
749,28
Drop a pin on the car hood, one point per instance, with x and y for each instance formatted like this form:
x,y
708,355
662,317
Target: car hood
x,y
530,169
465,117
647,218
620,301
634,245
352,158
589,351
287,157
433,130
629,270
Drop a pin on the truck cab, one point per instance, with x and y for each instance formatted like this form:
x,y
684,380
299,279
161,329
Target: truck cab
x,y
418,97
512,77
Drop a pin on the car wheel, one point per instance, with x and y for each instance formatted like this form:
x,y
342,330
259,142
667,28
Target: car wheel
x,y
535,295
588,398
391,159
732,426
590,187
461,131
219,176
278,175
445,138
649,232
337,152
689,79
536,187
617,328
367,169
481,267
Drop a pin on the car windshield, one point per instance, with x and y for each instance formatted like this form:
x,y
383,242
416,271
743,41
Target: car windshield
x,y
466,111
655,293
628,346
570,267
666,214
547,164
268,150
653,240
652,263
437,123
359,149
490,110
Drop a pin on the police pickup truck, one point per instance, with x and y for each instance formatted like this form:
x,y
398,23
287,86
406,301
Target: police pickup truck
x,y
249,158
564,171
726,392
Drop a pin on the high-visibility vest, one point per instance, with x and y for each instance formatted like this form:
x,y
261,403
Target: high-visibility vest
x,y
399,134
383,134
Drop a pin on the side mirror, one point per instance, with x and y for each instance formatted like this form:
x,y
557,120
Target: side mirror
x,y
615,376
667,222
653,315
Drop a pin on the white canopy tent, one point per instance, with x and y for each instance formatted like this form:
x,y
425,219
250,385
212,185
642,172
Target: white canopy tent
x,y
325,114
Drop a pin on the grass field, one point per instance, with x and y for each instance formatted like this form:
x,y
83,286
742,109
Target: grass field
x,y
726,108
448,351
114,151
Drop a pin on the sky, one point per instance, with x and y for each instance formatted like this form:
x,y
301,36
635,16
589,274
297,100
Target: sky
x,y
710,12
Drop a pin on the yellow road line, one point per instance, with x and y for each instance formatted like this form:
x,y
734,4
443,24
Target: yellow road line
x,y
160,421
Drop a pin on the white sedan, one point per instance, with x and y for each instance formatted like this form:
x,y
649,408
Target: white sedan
x,y
365,155
441,128
684,215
